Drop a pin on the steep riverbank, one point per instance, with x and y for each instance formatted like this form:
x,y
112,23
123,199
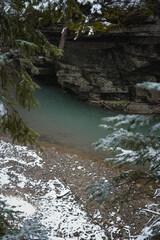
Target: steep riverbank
x,y
67,175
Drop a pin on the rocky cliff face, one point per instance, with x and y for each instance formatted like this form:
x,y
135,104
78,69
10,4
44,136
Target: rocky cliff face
x,y
105,69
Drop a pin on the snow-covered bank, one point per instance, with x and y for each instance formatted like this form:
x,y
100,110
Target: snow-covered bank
x,y
60,214
34,185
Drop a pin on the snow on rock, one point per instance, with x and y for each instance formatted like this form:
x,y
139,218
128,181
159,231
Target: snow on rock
x,y
64,216
149,85
18,204
2,109
97,214
20,154
4,178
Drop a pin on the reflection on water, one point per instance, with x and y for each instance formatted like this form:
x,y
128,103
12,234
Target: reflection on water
x,y
66,121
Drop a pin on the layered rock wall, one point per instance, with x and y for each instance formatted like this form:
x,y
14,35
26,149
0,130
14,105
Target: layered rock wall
x,y
105,69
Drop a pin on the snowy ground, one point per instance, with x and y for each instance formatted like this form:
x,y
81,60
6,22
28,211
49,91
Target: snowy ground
x,y
33,186
50,200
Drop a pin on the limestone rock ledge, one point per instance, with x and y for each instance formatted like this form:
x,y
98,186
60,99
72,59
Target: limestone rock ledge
x,y
104,69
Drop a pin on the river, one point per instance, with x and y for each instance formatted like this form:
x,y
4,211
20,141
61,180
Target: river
x,y
64,120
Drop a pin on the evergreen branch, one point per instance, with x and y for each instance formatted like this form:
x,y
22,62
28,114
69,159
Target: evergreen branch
x,y
150,211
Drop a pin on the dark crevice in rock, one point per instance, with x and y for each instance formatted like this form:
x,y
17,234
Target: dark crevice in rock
x,y
115,96
46,79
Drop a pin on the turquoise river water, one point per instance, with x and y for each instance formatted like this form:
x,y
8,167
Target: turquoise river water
x,y
66,121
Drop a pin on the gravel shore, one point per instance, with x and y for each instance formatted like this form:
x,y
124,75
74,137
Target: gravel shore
x,y
73,173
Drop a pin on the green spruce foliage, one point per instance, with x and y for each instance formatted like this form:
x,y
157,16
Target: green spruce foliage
x,y
134,141
5,215
20,40
9,229
132,147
